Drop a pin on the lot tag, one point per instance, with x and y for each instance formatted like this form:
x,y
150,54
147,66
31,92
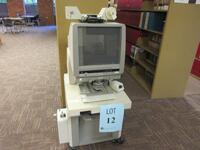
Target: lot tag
x,y
111,118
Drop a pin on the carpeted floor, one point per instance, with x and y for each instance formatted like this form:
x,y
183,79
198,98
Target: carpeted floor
x,y
29,90
29,96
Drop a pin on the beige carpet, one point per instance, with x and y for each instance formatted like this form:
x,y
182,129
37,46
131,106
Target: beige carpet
x,y
193,86
29,88
29,96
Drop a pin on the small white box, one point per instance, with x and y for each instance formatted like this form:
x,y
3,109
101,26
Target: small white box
x,y
62,122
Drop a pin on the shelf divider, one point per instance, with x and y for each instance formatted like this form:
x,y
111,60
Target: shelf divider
x,y
144,10
148,67
134,73
143,43
147,30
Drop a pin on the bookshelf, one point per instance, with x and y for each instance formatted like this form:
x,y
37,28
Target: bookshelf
x,y
156,32
146,65
196,65
143,43
163,49
137,76
143,10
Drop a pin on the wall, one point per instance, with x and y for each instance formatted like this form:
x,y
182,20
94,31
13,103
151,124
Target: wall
x,y
31,9
45,9
85,6
14,7
3,10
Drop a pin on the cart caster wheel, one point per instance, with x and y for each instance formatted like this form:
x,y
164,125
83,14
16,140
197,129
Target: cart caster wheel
x,y
119,140
72,148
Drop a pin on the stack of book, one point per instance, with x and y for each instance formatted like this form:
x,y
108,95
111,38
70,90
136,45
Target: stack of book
x,y
155,41
151,59
134,51
152,21
129,4
161,4
128,18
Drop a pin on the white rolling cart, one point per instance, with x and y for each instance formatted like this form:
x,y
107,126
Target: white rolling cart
x,y
94,97
78,124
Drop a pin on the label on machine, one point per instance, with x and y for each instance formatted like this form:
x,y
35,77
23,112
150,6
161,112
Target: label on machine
x,y
111,118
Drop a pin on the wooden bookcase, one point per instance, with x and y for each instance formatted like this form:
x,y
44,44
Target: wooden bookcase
x,y
179,39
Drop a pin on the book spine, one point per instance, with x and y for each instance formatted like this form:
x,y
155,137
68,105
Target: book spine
x,y
146,20
141,18
151,21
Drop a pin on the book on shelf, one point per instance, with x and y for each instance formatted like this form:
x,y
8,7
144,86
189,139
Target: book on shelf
x,y
161,5
128,18
134,52
152,21
132,34
146,20
151,59
129,4
154,41
143,42
156,21
134,18
141,19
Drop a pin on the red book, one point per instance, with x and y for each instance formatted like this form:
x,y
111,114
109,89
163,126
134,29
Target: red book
x,y
198,52
132,35
196,65
128,18
129,4
123,4
135,4
196,68
135,19
128,48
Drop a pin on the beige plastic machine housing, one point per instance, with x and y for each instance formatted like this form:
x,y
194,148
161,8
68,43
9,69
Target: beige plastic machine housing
x,y
106,13
73,54
78,124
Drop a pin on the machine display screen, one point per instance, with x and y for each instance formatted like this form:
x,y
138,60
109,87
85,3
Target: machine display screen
x,y
99,45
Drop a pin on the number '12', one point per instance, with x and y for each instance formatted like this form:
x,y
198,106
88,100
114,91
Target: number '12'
x,y
111,120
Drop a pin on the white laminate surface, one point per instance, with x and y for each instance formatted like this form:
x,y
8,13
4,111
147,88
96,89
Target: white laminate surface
x,y
75,105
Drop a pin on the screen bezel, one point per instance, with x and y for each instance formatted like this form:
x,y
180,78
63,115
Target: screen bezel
x,y
119,66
